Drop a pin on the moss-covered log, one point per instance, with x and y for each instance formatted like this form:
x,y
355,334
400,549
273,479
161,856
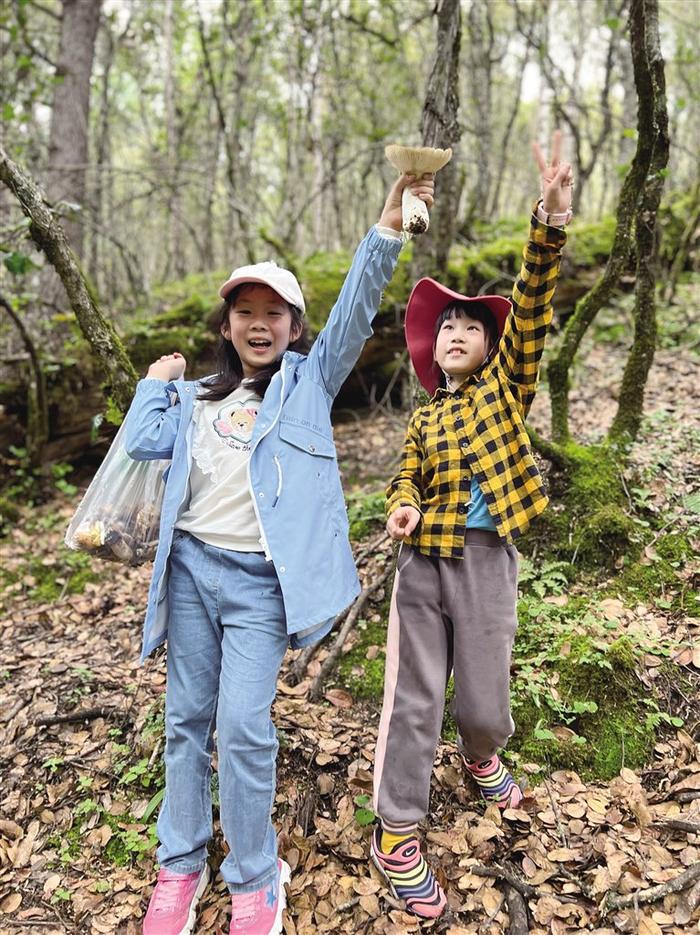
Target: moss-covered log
x,y
48,235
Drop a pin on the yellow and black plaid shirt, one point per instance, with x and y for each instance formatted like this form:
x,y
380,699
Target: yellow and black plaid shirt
x,y
479,429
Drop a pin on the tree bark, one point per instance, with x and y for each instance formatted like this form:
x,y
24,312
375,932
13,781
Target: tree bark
x,y
49,236
68,140
440,128
653,134
480,52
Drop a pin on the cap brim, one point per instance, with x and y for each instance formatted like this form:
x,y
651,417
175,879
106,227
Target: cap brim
x,y
231,284
427,300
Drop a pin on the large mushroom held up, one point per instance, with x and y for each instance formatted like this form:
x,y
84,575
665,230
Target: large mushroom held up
x,y
416,160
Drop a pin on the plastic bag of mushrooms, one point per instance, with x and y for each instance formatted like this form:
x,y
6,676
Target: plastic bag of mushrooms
x,y
119,516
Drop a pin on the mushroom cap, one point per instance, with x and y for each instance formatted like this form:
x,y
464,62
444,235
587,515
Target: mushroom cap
x,y
417,159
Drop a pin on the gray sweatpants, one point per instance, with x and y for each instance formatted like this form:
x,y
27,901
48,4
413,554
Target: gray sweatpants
x,y
446,614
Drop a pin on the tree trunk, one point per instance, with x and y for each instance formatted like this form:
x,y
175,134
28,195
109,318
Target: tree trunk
x,y
68,139
48,235
653,130
440,128
480,61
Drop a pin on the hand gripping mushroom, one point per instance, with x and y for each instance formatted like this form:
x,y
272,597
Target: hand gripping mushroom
x,y
416,160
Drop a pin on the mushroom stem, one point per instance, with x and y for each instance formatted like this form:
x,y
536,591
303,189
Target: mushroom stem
x,y
414,213
417,161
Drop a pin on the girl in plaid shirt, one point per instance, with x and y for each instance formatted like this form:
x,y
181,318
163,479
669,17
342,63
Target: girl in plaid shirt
x,y
467,486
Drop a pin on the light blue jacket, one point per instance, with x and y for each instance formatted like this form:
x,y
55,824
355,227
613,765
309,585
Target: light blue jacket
x,y
293,471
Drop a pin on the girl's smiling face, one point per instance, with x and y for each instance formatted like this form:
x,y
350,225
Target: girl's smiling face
x,y
260,327
461,346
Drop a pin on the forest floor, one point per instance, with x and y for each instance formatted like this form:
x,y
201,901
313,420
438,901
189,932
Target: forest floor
x,y
81,721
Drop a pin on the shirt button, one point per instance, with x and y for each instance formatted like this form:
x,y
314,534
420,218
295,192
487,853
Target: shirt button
x,y
261,495
462,508
312,448
282,569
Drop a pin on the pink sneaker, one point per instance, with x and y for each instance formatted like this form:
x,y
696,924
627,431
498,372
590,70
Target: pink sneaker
x,y
260,912
173,906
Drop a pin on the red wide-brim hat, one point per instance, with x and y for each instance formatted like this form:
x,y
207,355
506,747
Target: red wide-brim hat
x,y
427,300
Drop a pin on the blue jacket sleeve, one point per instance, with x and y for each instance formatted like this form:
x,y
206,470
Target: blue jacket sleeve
x,y
339,345
152,421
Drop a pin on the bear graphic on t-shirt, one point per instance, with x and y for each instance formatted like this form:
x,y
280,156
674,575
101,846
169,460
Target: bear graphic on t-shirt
x,y
235,424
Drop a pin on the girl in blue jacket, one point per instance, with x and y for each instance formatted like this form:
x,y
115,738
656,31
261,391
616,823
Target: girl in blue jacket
x,y
253,555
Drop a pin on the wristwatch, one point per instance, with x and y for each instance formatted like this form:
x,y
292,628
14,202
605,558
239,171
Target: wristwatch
x,y
554,220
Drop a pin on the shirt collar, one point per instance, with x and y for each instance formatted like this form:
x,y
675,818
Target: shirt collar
x,y
442,393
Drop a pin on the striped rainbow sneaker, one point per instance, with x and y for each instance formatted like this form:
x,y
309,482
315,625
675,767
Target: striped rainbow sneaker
x,y
410,878
495,782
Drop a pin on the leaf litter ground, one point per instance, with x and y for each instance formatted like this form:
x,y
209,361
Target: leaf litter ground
x,y
81,752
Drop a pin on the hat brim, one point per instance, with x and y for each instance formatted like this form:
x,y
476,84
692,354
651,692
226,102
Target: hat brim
x,y
231,284
425,304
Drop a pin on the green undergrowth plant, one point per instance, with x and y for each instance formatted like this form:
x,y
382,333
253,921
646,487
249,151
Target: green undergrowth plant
x,y
661,580
365,513
26,485
137,777
66,572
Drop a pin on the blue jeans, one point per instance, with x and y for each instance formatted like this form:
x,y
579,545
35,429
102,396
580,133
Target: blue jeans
x,y
227,637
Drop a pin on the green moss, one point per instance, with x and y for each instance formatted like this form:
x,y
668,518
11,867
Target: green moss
x,y
363,677
146,342
590,244
660,582
322,276
69,575
468,268
604,536
598,685
499,248
365,513
9,513
587,520
67,844
179,292
193,311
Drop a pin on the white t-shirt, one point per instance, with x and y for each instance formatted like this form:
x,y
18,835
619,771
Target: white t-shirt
x,y
220,511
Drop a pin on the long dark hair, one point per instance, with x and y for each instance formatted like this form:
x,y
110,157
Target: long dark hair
x,y
230,369
479,311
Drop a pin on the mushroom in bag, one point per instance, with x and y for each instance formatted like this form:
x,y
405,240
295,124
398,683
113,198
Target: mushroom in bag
x,y
416,160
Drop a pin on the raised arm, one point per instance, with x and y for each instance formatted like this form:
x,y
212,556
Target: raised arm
x,y
338,346
522,343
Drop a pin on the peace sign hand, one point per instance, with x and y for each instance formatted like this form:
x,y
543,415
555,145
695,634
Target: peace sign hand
x,y
556,178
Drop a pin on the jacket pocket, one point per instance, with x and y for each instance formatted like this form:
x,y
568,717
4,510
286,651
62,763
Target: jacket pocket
x,y
306,439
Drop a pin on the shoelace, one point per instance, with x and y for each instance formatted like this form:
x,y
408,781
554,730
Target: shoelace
x,y
243,907
166,895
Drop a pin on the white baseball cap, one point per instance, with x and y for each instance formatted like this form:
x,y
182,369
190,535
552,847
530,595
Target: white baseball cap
x,y
267,274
